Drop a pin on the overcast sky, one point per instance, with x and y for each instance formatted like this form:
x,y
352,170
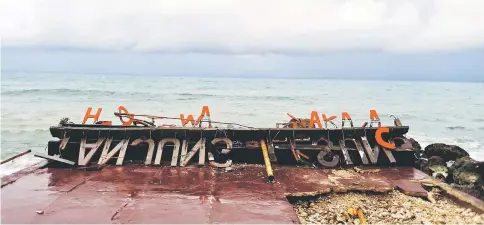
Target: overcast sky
x,y
381,39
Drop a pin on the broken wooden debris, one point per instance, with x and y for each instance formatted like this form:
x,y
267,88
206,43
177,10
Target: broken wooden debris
x,y
54,158
459,195
411,188
16,156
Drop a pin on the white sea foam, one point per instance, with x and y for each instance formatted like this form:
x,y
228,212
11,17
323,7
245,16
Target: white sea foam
x,y
433,113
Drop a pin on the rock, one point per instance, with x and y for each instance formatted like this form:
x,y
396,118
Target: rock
x,y
439,172
446,152
466,171
432,162
416,146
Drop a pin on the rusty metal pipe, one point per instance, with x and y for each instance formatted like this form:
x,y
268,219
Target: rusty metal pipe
x,y
267,160
15,156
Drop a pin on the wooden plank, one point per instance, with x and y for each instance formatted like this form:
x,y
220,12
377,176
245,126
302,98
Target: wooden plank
x,y
272,153
54,158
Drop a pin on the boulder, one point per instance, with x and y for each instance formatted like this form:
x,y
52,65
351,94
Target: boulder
x,y
416,146
429,165
466,171
446,152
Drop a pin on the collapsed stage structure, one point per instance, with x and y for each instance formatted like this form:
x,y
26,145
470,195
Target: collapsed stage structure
x,y
300,141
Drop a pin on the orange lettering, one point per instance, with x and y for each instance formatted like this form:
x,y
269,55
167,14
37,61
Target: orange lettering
x,y
380,140
345,116
326,120
205,112
106,123
315,119
188,119
374,118
93,116
294,123
374,115
122,109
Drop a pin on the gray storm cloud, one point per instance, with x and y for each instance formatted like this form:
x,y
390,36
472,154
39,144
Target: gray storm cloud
x,y
246,26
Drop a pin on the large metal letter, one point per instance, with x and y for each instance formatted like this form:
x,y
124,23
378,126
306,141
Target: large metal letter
x,y
373,153
326,150
107,154
176,149
346,155
151,148
185,157
83,158
360,150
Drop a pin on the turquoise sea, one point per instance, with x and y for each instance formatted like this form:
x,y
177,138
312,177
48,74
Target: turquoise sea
x,y
451,113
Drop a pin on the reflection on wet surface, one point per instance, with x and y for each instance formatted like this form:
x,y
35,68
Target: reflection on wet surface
x,y
159,194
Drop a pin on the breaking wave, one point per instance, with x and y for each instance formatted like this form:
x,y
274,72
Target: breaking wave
x,y
456,128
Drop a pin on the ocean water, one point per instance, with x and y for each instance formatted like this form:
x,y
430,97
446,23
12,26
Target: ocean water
x,y
451,113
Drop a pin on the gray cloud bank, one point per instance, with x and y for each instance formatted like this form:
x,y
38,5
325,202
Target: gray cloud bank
x,y
364,39
245,26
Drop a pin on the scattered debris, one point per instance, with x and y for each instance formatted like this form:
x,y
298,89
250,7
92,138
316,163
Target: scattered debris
x,y
430,197
15,156
411,188
358,170
392,208
54,158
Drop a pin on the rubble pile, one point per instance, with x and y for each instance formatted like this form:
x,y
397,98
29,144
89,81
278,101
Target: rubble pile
x,y
452,164
390,208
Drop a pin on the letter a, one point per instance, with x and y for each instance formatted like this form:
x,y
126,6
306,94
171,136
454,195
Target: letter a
x,y
315,119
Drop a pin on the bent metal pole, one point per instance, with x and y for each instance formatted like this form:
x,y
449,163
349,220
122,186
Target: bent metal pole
x,y
15,156
267,161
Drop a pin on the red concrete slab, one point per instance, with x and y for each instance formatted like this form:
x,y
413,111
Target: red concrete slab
x,y
29,194
156,208
85,204
139,194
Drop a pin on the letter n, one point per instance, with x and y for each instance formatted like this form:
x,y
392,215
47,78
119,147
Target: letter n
x,y
107,154
185,157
